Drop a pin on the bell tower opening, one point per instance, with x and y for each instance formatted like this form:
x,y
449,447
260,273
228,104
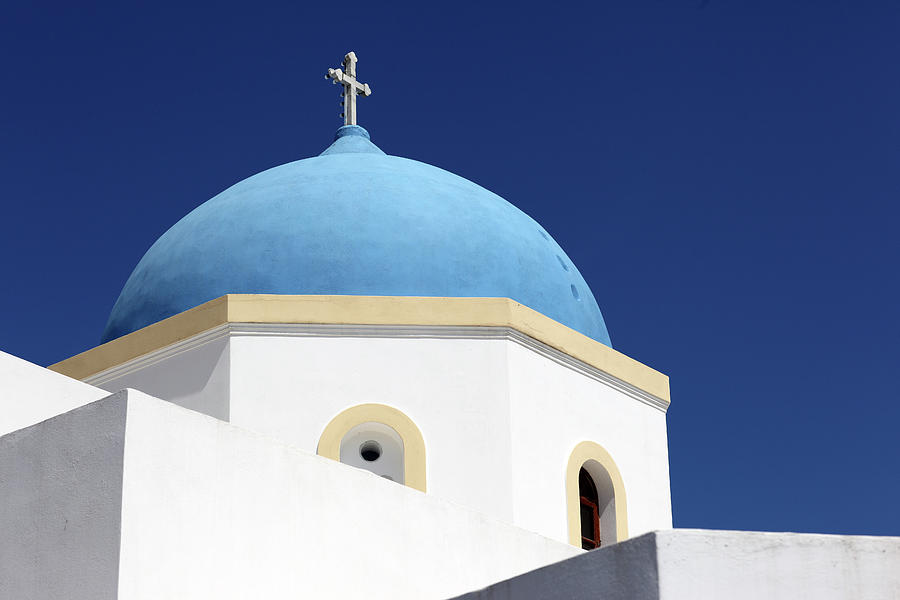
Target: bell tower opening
x,y
375,447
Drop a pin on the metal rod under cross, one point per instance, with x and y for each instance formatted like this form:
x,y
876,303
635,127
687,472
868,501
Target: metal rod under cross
x,y
352,87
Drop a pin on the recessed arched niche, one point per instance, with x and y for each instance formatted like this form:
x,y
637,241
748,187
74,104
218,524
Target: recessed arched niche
x,y
377,438
374,447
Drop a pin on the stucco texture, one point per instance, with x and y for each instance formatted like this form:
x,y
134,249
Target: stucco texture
x,y
697,564
60,504
132,497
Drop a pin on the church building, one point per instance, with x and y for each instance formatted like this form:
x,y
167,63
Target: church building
x,y
400,388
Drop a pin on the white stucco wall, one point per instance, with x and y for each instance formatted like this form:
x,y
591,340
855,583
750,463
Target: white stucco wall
x,y
194,376
694,564
135,498
60,502
499,419
553,408
213,511
454,390
747,565
30,393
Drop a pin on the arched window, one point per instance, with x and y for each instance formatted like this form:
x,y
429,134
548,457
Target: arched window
x,y
374,447
590,513
596,503
380,439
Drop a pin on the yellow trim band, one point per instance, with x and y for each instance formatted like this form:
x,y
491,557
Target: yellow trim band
x,y
366,310
584,452
413,442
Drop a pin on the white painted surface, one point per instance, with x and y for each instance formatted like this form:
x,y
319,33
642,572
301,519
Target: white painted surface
x,y
60,501
191,375
454,390
748,565
30,394
692,564
352,87
499,419
213,511
134,493
625,571
553,408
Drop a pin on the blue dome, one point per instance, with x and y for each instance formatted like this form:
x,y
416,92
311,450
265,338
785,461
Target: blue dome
x,y
355,221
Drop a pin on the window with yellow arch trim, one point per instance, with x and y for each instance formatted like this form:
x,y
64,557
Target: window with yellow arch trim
x,y
378,438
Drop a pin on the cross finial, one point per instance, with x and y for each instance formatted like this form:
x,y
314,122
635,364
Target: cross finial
x,y
352,87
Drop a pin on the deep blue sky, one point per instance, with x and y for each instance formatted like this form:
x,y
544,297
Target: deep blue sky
x,y
725,175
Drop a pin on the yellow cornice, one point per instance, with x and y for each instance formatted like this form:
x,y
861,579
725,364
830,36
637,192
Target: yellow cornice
x,y
366,310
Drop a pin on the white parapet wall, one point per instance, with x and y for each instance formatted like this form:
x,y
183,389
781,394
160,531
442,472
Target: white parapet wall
x,y
136,498
61,504
745,565
30,393
693,564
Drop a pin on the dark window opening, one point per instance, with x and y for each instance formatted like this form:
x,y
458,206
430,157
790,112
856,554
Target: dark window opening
x,y
590,515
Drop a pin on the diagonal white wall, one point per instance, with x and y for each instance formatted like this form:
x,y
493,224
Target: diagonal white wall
x,y
30,393
135,498
60,503
210,510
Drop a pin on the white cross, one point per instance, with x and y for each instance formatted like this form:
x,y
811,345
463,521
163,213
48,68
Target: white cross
x,y
347,78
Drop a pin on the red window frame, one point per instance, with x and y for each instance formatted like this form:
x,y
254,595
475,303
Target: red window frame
x,y
594,542
587,491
